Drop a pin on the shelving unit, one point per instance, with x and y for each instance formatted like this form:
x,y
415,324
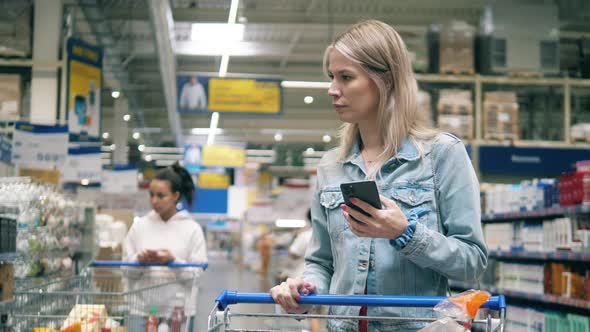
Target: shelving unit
x,y
8,257
564,256
537,214
541,298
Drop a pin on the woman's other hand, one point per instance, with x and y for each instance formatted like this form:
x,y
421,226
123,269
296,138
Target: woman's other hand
x,y
287,294
388,222
162,256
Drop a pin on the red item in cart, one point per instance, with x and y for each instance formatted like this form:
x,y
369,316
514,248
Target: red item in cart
x,y
151,324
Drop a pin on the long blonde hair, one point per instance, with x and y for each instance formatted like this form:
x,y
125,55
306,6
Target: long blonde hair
x,y
382,54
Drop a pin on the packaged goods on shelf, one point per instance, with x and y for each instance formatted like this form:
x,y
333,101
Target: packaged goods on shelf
x,y
500,115
574,188
521,319
580,132
10,97
450,48
558,322
525,196
455,112
6,282
520,277
499,236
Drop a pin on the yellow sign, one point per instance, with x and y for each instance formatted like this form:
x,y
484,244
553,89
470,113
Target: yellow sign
x,y
213,180
226,156
42,175
244,96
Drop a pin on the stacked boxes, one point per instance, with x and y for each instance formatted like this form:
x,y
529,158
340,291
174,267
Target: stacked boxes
x,y
6,282
456,48
500,115
455,112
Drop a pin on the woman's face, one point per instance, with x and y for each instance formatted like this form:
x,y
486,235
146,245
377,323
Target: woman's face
x,y
354,95
162,199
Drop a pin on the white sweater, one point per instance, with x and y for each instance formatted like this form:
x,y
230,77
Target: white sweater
x,y
183,237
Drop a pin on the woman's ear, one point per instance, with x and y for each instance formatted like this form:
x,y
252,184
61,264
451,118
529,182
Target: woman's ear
x,y
176,196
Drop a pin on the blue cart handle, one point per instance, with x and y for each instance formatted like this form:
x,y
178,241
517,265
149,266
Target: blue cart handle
x,y
228,297
137,264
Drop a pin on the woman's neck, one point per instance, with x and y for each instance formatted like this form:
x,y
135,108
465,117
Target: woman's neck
x,y
165,216
372,143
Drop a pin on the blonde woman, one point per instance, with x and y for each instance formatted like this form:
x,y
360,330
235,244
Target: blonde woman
x,y
428,230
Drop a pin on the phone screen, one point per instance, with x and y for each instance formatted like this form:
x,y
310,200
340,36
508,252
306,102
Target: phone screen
x,y
365,190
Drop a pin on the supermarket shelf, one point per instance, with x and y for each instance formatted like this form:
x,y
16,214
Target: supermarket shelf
x,y
542,298
561,255
536,214
9,256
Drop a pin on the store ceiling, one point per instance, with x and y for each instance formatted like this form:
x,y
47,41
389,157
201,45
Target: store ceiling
x,y
284,38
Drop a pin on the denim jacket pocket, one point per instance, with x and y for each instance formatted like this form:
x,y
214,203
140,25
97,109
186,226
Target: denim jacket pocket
x,y
330,199
414,199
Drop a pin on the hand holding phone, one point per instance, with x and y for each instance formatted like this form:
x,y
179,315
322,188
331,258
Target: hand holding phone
x,y
365,191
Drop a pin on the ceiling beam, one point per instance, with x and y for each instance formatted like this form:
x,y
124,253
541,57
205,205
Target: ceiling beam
x,y
163,28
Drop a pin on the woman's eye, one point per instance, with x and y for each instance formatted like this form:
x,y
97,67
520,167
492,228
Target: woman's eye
x,y
346,77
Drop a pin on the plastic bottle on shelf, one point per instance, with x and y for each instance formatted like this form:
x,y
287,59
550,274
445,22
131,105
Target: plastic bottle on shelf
x,y
151,324
177,322
163,327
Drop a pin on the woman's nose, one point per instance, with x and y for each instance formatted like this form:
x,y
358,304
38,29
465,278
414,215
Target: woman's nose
x,y
333,91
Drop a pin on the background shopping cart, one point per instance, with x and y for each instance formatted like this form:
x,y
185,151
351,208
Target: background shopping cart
x,y
123,289
220,316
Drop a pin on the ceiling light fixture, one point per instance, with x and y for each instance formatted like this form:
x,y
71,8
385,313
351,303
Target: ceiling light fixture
x,y
278,137
213,128
115,94
141,147
305,85
231,23
136,135
327,138
105,135
148,158
308,99
126,117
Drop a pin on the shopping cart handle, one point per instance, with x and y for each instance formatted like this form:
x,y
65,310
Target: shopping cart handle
x,y
137,264
228,297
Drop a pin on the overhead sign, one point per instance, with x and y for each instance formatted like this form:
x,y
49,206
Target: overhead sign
x,y
119,180
49,176
5,149
226,156
42,147
529,161
214,180
83,164
83,90
198,94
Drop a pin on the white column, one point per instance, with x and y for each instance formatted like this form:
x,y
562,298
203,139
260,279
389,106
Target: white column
x,y
120,131
46,37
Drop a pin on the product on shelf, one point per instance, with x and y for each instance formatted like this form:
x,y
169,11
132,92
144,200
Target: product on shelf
x,y
6,282
500,119
456,48
455,112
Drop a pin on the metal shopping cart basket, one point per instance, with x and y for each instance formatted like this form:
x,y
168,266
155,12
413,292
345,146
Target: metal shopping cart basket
x,y
220,316
107,294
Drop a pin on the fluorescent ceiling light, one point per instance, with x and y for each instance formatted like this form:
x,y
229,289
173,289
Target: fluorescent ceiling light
x,y
115,94
205,131
327,138
217,32
141,147
126,117
290,223
223,65
136,135
308,99
233,11
213,128
278,137
305,84
105,135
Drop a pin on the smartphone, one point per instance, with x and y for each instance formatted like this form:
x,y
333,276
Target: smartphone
x,y
364,190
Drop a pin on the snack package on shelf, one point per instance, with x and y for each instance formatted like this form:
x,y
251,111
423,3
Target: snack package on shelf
x,y
90,317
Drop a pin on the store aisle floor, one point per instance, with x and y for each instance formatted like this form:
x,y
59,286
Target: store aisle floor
x,y
223,274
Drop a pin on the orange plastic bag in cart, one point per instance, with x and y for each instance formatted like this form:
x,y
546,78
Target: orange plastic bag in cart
x,y
470,301
457,312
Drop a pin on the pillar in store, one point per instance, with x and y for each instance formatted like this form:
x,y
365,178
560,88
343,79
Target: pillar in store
x,y
46,38
120,131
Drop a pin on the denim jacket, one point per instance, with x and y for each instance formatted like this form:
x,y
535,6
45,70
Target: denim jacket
x,y
447,242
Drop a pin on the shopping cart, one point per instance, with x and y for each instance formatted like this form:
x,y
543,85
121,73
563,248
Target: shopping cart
x,y
108,294
220,316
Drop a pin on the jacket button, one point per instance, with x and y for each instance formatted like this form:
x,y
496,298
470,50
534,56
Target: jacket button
x,y
412,196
